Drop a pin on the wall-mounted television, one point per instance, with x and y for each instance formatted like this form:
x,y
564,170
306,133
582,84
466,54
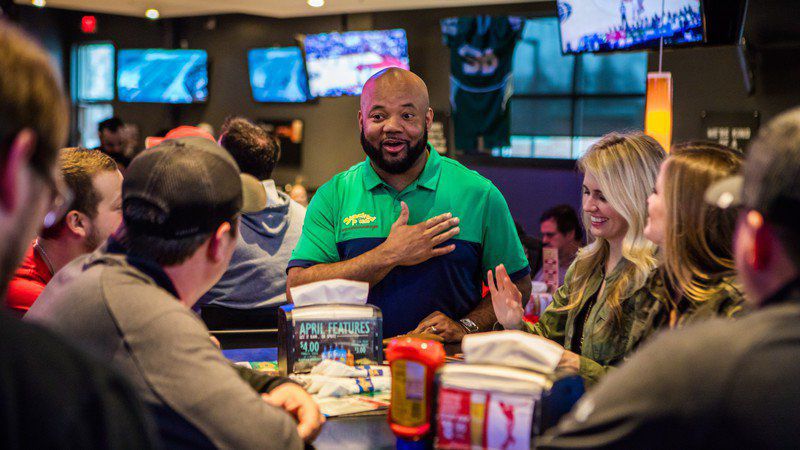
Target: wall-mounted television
x,y
162,76
278,74
94,72
611,25
339,63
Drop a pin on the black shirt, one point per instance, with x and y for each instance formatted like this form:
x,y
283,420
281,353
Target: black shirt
x,y
122,161
720,384
53,396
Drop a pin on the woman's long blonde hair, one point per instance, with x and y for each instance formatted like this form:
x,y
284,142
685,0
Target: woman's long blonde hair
x,y
698,237
625,166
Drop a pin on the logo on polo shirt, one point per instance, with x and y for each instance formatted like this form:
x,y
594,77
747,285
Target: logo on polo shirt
x,y
360,220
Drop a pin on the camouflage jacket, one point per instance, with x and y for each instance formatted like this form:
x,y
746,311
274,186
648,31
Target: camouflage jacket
x,y
644,313
727,301
600,349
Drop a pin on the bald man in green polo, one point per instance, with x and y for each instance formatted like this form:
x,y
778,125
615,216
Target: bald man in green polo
x,y
422,229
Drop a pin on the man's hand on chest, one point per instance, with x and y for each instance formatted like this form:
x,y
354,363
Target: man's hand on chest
x,y
409,245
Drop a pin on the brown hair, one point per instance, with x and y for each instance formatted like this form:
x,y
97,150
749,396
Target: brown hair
x,y
625,166
79,166
31,96
254,149
698,237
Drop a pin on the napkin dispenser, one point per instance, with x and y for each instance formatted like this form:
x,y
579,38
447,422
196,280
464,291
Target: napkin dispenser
x,y
507,391
307,333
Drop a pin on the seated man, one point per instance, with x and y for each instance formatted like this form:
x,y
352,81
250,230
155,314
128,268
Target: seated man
x,y
422,229
256,277
720,384
562,231
95,213
129,302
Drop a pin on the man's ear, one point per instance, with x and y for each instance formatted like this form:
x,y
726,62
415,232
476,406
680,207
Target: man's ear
x,y
762,241
429,117
360,123
217,243
77,223
19,154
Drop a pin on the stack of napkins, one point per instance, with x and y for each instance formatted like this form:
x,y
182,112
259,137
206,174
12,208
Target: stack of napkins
x,y
326,292
512,349
332,378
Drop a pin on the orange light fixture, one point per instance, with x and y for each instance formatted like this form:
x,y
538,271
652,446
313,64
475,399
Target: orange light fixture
x,y
658,108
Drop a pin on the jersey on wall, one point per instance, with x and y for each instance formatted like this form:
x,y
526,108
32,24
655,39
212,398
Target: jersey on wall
x,y
481,52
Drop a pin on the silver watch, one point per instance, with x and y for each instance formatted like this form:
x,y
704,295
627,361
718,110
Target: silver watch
x,y
469,325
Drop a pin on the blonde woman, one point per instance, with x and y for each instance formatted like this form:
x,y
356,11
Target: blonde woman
x,y
696,278
593,312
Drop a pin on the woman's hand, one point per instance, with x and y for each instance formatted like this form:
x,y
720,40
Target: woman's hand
x,y
506,299
570,361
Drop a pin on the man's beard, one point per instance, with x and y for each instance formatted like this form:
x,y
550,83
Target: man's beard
x,y
397,166
93,240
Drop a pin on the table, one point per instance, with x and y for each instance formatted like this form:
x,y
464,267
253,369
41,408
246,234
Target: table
x,y
354,432
368,431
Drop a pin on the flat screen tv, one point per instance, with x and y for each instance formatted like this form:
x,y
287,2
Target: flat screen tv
x,y
611,25
278,74
339,63
162,76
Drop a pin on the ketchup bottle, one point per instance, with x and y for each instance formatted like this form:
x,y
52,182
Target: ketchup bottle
x,y
413,363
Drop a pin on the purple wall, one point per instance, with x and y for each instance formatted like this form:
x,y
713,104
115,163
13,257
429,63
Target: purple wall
x,y
529,191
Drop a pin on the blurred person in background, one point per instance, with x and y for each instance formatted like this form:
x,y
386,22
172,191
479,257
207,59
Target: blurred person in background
x,y
113,141
560,230
256,276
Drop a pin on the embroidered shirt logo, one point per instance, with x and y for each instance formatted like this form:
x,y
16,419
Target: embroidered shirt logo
x,y
359,219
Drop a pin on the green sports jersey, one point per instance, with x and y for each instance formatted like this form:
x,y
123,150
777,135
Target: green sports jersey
x,y
481,55
353,213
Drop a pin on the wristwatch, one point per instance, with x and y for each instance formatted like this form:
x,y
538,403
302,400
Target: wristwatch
x,y
469,325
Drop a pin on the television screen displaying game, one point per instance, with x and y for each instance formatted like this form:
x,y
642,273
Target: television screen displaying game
x,y
339,63
162,76
610,25
278,74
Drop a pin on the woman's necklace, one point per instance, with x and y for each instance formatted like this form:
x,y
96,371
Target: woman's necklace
x,y
38,247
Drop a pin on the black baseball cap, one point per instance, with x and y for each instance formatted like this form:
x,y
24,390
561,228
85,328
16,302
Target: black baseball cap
x,y
192,184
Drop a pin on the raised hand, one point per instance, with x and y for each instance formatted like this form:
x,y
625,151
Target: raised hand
x,y
506,299
408,245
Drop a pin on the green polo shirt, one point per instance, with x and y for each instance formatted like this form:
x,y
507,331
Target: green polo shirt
x,y
353,213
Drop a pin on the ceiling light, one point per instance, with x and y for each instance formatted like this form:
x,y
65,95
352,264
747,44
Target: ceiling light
x,y
316,3
152,14
39,3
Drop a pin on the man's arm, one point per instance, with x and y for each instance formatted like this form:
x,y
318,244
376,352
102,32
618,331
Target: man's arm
x,y
483,316
666,396
406,245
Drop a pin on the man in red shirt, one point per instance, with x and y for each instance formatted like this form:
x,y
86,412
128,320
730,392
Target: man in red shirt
x,y
95,213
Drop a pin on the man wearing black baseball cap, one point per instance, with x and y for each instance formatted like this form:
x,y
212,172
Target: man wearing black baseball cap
x,y
130,303
721,384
